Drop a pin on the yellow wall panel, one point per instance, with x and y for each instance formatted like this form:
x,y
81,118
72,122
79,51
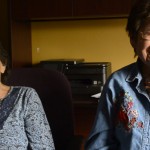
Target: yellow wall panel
x,y
94,40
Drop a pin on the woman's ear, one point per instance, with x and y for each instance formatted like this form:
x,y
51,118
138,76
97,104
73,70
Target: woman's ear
x,y
2,67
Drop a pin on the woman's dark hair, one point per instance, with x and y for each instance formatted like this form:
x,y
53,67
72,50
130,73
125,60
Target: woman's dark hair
x,y
3,55
4,60
139,15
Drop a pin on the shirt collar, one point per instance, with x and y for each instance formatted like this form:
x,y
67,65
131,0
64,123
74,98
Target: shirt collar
x,y
135,73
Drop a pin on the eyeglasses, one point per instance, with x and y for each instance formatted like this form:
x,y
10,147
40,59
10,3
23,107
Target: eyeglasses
x,y
145,35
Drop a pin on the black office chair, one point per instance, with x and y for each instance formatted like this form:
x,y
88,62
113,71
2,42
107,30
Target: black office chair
x,y
55,93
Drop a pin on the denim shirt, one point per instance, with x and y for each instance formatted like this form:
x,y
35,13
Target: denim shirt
x,y
123,117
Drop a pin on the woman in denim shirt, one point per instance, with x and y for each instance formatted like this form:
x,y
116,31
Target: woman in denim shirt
x,y
123,116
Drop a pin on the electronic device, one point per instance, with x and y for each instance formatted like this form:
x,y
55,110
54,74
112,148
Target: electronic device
x,y
86,78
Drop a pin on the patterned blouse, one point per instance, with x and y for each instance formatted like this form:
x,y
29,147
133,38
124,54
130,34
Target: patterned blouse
x,y
23,123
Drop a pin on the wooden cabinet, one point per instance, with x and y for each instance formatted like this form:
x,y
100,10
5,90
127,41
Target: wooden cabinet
x,y
49,8
69,9
20,35
41,10
84,120
20,43
101,8
4,25
15,36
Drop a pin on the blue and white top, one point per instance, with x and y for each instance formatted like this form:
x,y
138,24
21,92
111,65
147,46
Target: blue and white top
x,y
23,123
123,116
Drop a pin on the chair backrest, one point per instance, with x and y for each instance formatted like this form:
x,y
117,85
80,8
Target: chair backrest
x,y
55,93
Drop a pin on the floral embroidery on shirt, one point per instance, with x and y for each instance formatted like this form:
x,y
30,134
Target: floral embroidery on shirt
x,y
126,114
